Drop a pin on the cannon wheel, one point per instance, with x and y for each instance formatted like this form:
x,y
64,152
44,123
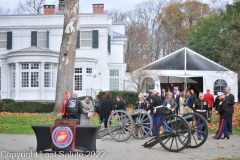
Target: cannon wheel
x,y
120,125
143,124
195,142
178,135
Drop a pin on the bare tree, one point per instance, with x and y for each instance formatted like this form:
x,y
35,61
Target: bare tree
x,y
30,7
67,55
4,11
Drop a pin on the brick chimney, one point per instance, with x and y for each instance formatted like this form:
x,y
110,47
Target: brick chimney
x,y
98,8
49,9
61,5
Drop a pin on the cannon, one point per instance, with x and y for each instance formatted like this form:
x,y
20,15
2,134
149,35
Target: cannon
x,y
121,125
182,132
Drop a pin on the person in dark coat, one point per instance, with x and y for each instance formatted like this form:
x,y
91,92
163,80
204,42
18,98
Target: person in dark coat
x,y
224,115
163,94
176,97
141,104
107,106
120,103
74,108
194,95
229,98
156,101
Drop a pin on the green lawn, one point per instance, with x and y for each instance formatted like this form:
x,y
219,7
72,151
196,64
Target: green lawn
x,y
21,123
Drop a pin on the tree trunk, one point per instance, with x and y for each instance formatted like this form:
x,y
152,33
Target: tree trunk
x,y
67,55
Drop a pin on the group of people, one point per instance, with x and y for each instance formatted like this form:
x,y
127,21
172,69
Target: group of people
x,y
158,105
180,103
73,108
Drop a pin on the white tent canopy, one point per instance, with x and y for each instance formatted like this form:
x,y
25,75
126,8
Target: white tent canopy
x,y
187,63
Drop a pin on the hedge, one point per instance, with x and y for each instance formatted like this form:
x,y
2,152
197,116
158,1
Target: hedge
x,y
129,97
2,106
30,107
7,100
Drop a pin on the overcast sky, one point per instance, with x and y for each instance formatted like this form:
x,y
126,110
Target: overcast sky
x,y
86,5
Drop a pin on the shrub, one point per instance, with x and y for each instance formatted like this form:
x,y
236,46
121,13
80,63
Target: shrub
x,y
2,106
8,100
30,107
129,97
81,98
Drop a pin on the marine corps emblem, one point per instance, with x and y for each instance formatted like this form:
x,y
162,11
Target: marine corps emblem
x,y
62,137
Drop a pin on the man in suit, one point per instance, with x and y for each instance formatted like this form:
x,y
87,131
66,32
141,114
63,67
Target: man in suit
x,y
176,97
229,98
163,94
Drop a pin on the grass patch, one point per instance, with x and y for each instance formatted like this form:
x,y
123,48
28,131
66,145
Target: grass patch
x,y
20,123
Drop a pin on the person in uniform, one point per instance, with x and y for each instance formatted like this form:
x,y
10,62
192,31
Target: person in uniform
x,y
156,101
210,99
74,108
223,112
200,106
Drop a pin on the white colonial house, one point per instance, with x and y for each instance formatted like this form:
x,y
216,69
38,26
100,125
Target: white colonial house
x,y
30,46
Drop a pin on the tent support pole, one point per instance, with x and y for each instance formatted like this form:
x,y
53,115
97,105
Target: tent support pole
x,y
185,67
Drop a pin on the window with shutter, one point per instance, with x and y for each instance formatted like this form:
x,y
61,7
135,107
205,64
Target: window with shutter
x,y
95,39
3,39
86,38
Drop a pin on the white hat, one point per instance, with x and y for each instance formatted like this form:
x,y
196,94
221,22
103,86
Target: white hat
x,y
140,95
153,90
220,93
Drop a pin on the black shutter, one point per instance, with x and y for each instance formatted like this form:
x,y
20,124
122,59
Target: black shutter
x,y
78,40
34,38
95,39
9,40
109,44
47,41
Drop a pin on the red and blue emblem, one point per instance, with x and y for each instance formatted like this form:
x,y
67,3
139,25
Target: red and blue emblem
x,y
62,137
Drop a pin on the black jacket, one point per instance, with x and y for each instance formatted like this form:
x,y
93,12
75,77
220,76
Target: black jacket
x,y
142,105
176,99
107,106
121,105
201,105
157,101
230,102
163,96
222,109
74,106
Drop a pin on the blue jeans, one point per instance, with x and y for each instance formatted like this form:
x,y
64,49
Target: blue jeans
x,y
156,121
74,116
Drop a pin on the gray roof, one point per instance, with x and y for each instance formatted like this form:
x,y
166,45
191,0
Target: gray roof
x,y
34,49
182,57
116,34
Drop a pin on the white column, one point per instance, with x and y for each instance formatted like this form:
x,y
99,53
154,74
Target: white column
x,y
17,80
42,81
